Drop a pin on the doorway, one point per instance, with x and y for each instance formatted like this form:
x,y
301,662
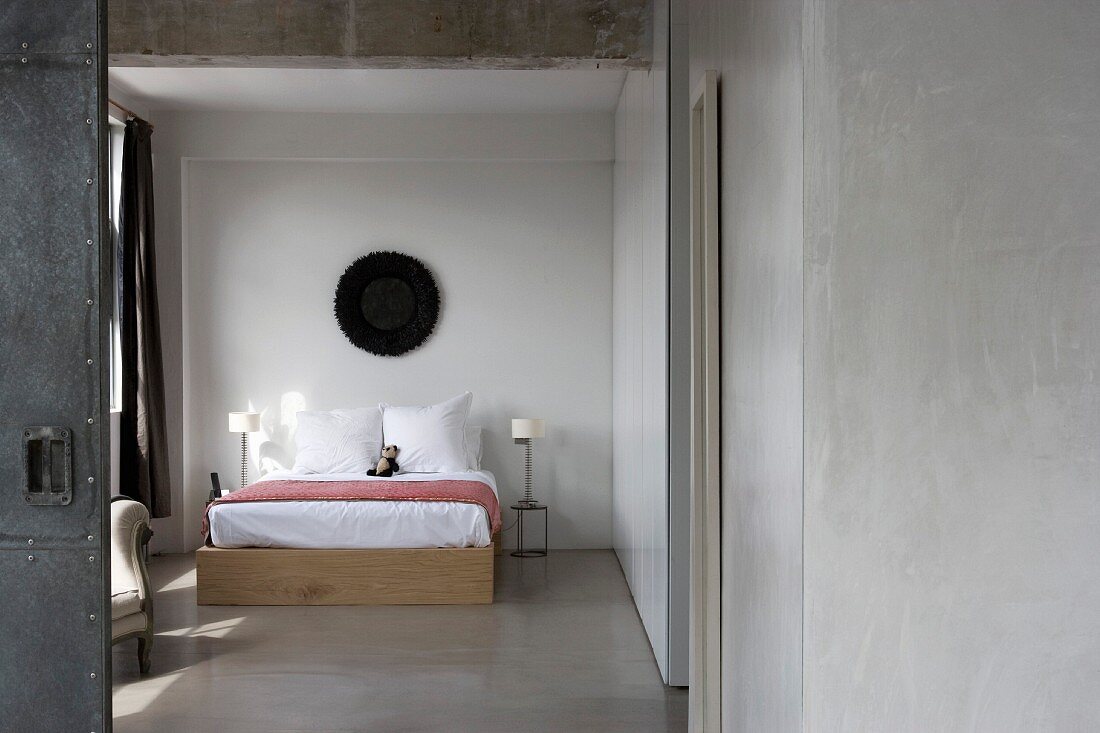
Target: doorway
x,y
706,667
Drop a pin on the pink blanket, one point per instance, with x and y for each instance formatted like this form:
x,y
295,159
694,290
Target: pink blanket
x,y
467,492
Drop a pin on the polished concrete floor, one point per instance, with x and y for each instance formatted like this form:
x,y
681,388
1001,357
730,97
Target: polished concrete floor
x,y
561,649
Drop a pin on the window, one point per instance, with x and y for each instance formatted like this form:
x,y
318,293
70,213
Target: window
x,y
115,135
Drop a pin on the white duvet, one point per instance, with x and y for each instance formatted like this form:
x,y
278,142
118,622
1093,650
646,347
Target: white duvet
x,y
354,524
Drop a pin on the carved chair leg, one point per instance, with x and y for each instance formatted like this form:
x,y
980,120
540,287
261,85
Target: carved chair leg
x,y
145,646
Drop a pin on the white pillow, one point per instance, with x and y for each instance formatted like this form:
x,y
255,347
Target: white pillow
x,y
338,441
429,439
473,448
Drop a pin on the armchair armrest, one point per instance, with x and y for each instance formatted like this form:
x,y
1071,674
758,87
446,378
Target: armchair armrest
x,y
129,534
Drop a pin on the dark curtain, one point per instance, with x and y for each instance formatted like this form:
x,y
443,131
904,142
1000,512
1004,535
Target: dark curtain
x,y
143,445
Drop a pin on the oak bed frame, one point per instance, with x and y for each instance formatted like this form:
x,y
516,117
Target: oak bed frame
x,y
260,576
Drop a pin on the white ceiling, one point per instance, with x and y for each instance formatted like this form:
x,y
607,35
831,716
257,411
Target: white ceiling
x,y
370,90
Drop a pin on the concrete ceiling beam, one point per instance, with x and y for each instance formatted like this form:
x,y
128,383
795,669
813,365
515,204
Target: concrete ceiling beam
x,y
460,34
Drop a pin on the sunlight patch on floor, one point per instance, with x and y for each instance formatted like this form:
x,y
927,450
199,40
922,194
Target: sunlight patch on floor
x,y
214,630
187,580
136,696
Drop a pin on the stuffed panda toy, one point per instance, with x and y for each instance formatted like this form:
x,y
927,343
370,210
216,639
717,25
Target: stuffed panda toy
x,y
387,466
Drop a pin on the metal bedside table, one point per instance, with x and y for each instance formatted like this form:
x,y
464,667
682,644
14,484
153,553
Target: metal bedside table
x,y
521,509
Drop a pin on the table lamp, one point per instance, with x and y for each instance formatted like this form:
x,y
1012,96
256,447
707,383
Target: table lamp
x,y
523,430
244,423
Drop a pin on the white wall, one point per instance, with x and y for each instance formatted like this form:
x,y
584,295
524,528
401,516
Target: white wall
x,y
640,504
952,338
512,213
679,342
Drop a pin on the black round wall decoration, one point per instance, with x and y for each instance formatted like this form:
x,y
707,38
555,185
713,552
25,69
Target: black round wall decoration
x,y
386,303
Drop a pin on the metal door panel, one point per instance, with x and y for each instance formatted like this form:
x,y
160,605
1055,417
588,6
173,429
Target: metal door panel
x,y
48,26
59,624
54,608
50,273
43,151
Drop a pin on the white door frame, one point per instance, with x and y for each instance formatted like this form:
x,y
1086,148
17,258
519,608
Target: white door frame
x,y
706,578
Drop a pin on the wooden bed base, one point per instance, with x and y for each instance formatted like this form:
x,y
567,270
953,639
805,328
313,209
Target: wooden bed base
x,y
259,576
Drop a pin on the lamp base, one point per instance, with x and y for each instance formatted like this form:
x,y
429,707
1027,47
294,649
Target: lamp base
x,y
244,460
528,499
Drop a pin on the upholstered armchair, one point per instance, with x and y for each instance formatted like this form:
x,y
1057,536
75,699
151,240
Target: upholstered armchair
x,y
131,596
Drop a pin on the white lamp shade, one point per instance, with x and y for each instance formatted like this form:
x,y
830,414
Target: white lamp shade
x,y
528,427
244,422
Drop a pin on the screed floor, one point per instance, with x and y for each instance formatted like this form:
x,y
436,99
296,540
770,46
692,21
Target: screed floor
x,y
561,649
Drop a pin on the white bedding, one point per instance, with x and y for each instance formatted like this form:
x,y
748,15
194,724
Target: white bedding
x,y
354,524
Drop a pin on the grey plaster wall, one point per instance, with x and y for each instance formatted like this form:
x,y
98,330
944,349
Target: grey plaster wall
x,y
757,48
952,521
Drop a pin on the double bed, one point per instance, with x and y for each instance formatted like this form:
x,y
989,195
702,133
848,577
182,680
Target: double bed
x,y
352,539
327,532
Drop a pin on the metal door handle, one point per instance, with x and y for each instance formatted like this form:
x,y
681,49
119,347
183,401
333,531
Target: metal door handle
x,y
47,466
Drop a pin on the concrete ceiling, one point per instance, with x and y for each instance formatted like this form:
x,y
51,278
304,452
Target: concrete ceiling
x,y
370,90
